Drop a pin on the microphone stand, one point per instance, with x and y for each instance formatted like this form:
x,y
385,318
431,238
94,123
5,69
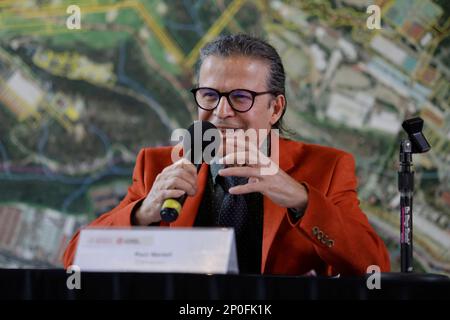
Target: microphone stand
x,y
415,143
406,188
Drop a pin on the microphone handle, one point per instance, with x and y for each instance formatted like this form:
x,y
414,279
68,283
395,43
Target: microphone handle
x,y
171,208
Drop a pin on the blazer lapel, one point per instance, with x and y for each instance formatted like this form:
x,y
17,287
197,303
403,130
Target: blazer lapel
x,y
191,205
273,213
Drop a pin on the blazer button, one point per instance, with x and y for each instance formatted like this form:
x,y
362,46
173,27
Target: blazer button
x,y
315,230
319,235
330,243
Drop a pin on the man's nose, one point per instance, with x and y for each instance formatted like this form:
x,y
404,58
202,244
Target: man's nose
x,y
224,109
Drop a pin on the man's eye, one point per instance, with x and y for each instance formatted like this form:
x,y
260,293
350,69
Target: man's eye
x,y
209,95
241,97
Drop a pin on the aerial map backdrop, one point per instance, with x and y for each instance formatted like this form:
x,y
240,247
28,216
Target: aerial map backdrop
x,y
78,103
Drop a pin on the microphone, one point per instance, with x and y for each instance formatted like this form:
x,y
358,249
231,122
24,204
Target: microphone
x,y
195,142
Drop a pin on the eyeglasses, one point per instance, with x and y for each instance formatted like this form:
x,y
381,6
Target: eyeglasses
x,y
240,100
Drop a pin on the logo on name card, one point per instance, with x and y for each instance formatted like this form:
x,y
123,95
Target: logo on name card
x,y
135,241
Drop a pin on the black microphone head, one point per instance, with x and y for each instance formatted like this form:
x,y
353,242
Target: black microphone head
x,y
202,142
413,128
413,125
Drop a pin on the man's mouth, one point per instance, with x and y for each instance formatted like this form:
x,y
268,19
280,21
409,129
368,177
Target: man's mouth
x,y
225,129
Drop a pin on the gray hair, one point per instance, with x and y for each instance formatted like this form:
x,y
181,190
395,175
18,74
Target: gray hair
x,y
249,46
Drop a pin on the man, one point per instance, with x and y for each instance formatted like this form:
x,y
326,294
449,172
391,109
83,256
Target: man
x,y
304,217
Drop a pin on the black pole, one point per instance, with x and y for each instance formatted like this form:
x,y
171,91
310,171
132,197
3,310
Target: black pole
x,y
406,188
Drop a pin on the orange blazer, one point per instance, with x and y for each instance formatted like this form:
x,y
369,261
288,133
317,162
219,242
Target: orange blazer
x,y
333,237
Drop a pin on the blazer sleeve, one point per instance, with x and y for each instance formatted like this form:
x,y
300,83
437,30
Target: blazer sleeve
x,y
339,230
120,216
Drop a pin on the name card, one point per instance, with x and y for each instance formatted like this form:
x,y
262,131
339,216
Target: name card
x,y
182,250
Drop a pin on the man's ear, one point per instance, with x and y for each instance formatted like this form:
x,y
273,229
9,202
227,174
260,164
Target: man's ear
x,y
278,105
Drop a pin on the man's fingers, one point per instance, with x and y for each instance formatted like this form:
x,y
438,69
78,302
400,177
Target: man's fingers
x,y
246,188
185,164
234,158
240,144
247,158
253,180
171,194
189,177
178,183
240,172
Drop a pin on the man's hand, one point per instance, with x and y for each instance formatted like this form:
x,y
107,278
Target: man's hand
x,y
279,187
174,181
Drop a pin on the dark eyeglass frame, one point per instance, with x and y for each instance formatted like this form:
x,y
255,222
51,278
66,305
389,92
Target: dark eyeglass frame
x,y
227,95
